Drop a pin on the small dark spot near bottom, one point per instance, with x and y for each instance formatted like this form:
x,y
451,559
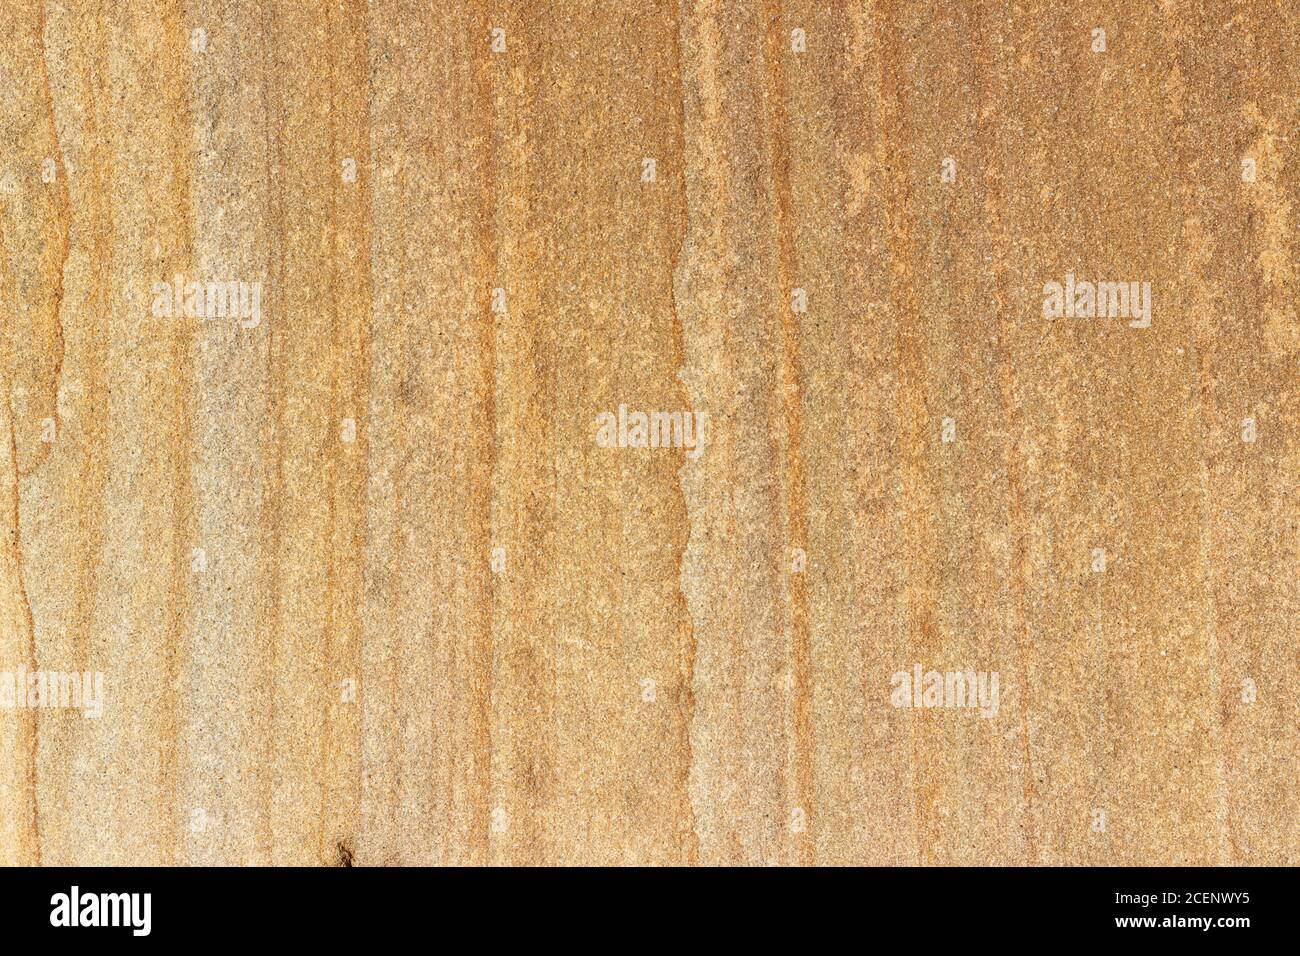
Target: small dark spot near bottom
x,y
345,854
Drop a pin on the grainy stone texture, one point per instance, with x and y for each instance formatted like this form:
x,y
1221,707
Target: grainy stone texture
x,y
649,674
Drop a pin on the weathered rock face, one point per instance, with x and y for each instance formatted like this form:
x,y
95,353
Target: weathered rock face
x,y
356,496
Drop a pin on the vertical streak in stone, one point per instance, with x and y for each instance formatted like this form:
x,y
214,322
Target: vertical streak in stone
x,y
228,145
54,253
379,839
37,230
523,681
96,503
688,838
800,788
483,650
308,443
180,455
325,834
911,403
1203,302
990,154
352,301
273,478
34,349
20,823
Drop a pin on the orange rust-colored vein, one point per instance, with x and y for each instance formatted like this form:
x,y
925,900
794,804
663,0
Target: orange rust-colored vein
x,y
64,239
94,475
9,286
32,813
796,504
33,806
91,484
